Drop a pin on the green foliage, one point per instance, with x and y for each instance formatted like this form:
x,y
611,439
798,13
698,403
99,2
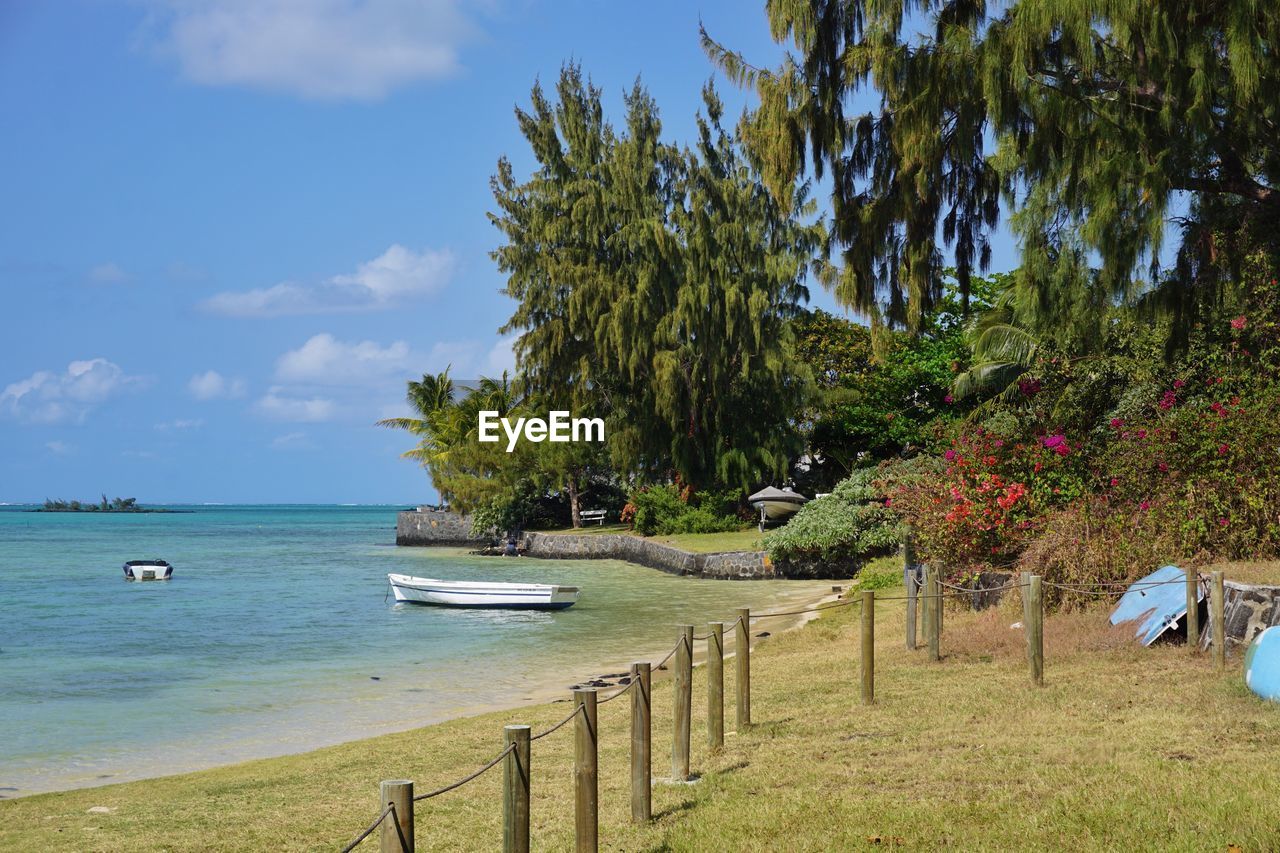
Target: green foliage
x,y
1092,122
653,285
880,578
665,510
852,521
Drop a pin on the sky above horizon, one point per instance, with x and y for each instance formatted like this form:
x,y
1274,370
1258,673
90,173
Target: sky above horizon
x,y
231,230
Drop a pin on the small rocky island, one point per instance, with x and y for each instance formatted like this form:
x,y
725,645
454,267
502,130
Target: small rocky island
x,y
105,505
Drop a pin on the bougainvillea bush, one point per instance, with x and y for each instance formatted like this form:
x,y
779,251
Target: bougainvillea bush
x,y
1208,472
986,502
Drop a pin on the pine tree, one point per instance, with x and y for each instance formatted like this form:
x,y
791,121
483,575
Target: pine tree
x,y
1093,122
653,284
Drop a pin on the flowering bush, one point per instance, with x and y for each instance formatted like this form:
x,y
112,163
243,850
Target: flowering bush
x,y
982,507
1209,472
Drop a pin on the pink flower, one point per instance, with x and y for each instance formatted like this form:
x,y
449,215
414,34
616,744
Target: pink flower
x,y
1178,383
1115,481
1053,441
1223,522
999,442
1116,423
948,399
1140,434
1222,449
1168,400
1238,323
1163,466
1144,506
950,455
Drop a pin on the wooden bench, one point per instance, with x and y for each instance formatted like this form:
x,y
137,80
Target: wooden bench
x,y
596,515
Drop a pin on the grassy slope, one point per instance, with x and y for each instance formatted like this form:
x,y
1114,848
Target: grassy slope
x,y
700,543
1124,748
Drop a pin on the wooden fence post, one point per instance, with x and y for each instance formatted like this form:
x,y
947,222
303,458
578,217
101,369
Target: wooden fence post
x,y
586,787
397,829
868,646
1193,610
742,662
933,607
641,745
1035,631
909,580
684,704
715,686
1024,590
1218,607
515,791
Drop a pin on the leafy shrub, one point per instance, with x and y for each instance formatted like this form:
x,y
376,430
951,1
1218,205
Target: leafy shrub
x,y
666,510
852,521
879,577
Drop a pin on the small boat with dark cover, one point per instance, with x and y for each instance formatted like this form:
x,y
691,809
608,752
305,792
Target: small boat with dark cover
x,y
147,570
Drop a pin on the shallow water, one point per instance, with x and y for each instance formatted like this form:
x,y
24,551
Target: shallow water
x,y
275,636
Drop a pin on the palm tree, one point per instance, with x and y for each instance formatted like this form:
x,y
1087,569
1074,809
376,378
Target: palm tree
x,y
1004,349
431,398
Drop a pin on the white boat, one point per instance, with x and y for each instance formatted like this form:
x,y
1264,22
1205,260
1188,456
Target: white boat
x,y
777,503
147,570
523,596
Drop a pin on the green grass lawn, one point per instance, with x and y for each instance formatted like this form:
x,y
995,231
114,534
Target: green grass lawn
x,y
700,543
1124,748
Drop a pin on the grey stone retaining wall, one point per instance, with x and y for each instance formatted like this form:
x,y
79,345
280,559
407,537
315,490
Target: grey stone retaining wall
x,y
435,527
728,565
1247,609
743,565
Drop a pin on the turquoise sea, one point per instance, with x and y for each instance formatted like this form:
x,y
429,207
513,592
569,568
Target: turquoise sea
x,y
276,636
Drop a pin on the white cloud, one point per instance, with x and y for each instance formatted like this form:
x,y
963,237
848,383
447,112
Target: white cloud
x,y
501,357
49,397
212,385
59,448
181,423
324,360
108,273
394,276
277,406
294,441
320,49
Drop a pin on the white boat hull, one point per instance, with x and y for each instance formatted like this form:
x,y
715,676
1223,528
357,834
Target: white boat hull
x,y
507,596
777,509
147,570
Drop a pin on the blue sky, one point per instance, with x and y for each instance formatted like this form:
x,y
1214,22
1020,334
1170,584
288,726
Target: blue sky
x,y
230,230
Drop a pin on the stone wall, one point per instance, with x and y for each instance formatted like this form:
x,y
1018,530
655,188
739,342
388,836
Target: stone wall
x,y
435,527
728,565
1246,610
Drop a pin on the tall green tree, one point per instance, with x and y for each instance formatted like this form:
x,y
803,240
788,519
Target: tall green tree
x,y
1093,122
653,285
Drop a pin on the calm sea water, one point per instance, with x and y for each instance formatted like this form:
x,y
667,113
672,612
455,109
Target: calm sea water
x,y
275,636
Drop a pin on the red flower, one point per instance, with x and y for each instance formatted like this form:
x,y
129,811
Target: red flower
x,y
1222,449
1145,505
1238,323
1116,423
1223,522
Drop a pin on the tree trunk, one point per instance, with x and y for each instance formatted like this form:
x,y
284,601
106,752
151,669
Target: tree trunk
x,y
574,508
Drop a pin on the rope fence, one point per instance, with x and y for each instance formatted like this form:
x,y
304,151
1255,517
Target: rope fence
x,y
926,591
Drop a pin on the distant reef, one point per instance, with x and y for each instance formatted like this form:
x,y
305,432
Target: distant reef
x,y
104,505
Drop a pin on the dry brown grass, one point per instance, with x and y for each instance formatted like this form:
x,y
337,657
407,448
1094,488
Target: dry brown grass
x,y
1266,572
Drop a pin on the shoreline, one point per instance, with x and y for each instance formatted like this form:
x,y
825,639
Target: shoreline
x,y
542,690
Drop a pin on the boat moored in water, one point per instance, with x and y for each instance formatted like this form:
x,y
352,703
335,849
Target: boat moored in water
x,y
147,570
510,596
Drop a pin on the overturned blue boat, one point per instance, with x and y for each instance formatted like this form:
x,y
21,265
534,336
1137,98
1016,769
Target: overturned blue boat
x,y
1155,603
